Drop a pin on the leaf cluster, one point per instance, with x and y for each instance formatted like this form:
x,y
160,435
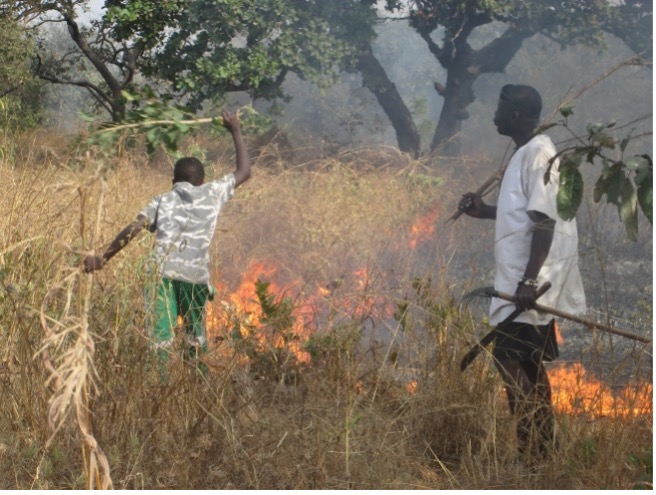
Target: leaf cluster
x,y
626,182
158,121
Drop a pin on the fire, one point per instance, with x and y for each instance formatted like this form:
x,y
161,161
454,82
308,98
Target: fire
x,y
363,303
575,392
241,311
559,336
423,228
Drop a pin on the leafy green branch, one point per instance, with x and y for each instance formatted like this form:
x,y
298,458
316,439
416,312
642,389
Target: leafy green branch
x,y
624,181
161,123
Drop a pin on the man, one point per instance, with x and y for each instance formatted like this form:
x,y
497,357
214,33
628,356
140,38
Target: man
x,y
533,245
184,220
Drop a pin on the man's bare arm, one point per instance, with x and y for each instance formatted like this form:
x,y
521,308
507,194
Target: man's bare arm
x,y
543,232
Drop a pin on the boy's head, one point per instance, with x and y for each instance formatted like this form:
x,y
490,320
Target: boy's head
x,y
189,169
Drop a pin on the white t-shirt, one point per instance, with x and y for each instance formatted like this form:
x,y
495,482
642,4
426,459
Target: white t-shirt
x,y
185,219
522,190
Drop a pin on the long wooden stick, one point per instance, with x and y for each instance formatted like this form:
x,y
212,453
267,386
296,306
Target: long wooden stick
x,y
483,190
576,318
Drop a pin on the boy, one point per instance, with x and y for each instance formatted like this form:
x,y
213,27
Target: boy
x,y
184,220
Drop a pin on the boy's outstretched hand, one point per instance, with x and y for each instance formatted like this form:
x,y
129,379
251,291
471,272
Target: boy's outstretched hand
x,y
93,263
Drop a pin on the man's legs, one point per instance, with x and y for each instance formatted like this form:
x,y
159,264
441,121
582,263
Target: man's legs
x,y
529,397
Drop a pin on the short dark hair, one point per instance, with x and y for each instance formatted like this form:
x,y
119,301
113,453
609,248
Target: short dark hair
x,y
525,98
189,169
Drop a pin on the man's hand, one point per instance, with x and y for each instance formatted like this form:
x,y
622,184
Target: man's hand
x,y
93,263
525,297
472,204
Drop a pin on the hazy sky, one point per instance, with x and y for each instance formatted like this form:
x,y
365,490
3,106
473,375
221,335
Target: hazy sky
x,y
95,7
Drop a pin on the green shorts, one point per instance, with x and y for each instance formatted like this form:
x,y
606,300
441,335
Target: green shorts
x,y
175,298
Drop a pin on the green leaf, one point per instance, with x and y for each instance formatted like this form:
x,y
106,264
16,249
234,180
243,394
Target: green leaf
x,y
634,163
629,210
601,187
566,110
594,127
625,143
645,193
644,170
183,128
605,140
615,185
570,192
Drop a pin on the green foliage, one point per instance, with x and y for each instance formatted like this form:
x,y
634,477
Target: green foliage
x,y
267,342
276,314
645,464
162,124
207,48
21,96
625,182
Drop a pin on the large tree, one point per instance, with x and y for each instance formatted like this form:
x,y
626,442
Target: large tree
x,y
94,60
218,46
20,93
455,23
195,50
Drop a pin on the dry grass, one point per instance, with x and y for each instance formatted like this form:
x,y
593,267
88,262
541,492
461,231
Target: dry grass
x,y
381,402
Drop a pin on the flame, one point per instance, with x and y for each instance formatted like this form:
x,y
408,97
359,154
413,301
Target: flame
x,y
559,336
575,392
364,303
240,310
423,228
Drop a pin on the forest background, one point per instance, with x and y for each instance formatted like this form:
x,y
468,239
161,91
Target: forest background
x,y
338,330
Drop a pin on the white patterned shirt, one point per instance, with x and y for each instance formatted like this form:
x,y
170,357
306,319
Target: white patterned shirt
x,y
185,219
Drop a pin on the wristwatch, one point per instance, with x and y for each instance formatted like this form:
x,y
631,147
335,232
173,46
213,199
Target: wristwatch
x,y
528,281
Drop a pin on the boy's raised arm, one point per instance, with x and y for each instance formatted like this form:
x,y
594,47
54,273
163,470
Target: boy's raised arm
x,y
243,170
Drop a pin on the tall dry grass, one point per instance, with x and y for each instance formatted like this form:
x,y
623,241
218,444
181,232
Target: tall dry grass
x,y
365,393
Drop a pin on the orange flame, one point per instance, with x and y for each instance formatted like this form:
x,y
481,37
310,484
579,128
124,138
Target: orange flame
x,y
242,310
559,336
575,392
423,228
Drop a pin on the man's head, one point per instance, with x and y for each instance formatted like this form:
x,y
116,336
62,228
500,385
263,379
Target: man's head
x,y
519,109
190,170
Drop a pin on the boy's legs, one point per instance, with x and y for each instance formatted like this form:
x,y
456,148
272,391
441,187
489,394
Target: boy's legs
x,y
191,305
162,313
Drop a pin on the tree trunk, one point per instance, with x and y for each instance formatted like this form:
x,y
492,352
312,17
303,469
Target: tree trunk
x,y
458,94
375,79
463,69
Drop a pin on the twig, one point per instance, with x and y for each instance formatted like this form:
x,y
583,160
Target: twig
x,y
608,73
499,174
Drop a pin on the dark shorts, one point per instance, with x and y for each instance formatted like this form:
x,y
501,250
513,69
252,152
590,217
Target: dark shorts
x,y
526,342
